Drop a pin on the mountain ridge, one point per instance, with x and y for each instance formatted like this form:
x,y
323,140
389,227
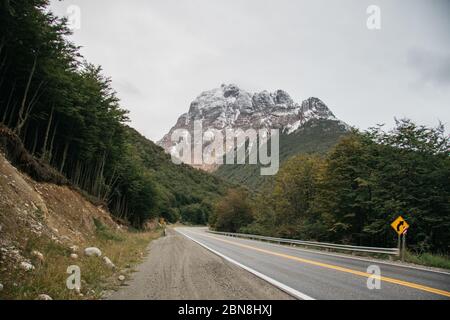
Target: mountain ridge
x,y
230,107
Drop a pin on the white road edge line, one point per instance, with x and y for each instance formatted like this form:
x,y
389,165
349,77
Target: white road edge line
x,y
283,287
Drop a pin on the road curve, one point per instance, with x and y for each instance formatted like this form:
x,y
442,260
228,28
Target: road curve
x,y
308,274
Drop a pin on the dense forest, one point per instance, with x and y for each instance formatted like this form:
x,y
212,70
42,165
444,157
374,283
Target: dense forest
x,y
68,115
352,194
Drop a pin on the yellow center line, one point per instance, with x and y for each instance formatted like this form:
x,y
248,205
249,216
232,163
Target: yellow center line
x,y
337,268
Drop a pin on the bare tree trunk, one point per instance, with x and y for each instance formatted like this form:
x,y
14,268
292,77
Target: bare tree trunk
x,y
4,60
110,185
8,103
2,44
2,65
33,150
63,162
50,151
99,179
25,108
47,132
82,175
24,138
11,115
20,122
76,174
24,117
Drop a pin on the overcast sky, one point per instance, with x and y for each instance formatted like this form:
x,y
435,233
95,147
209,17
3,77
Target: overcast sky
x,y
161,54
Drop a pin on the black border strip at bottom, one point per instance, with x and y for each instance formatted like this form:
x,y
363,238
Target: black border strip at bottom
x,y
219,309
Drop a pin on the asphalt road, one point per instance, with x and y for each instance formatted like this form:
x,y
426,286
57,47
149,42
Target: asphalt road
x,y
308,274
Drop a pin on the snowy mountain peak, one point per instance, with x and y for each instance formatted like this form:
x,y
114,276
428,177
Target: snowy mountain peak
x,y
230,107
223,97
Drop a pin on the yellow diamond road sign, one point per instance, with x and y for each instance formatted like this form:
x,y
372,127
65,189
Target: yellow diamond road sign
x,y
400,225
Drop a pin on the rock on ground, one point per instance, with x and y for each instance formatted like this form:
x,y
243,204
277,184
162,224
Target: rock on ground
x,y
44,297
93,252
38,255
74,249
109,263
26,266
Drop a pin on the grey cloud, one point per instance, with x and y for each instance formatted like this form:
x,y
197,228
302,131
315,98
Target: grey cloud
x,y
432,67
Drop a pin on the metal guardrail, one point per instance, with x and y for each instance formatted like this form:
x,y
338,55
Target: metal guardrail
x,y
389,251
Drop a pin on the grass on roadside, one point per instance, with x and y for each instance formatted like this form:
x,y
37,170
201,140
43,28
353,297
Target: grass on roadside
x,y
428,259
124,248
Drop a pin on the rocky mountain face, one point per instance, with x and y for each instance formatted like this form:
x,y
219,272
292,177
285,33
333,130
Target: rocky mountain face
x,y
230,107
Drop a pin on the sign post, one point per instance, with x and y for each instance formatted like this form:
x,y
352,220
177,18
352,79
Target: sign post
x,y
401,227
404,245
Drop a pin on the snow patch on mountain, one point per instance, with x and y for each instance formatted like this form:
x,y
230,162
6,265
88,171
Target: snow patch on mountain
x,y
230,107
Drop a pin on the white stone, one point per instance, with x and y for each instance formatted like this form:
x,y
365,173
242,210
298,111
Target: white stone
x,y
93,252
74,256
121,278
44,297
38,255
26,266
1,287
74,249
109,263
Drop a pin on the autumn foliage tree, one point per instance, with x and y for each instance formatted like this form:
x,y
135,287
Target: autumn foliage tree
x,y
294,194
233,211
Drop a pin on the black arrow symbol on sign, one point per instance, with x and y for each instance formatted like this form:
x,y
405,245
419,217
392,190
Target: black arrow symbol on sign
x,y
399,225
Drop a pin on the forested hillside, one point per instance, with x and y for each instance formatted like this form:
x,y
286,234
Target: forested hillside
x,y
315,136
68,115
184,193
355,191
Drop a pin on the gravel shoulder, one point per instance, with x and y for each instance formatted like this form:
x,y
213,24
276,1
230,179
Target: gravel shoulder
x,y
178,268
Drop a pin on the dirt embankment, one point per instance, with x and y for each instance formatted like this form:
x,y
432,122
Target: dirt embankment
x,y
178,268
38,201
42,217
30,208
